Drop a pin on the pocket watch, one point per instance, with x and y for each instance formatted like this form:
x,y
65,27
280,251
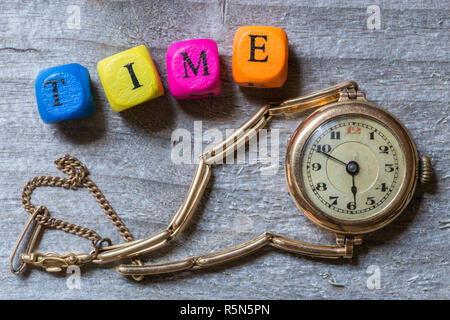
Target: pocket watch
x,y
351,168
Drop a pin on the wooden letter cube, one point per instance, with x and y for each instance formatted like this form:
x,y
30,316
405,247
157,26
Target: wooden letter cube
x,y
130,78
64,93
193,69
260,57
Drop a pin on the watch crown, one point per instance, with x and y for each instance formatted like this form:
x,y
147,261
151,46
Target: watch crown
x,y
425,169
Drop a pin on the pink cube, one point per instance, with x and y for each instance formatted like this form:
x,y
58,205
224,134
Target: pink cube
x,y
193,69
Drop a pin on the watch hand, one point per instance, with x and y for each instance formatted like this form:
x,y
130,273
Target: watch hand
x,y
354,189
331,157
353,168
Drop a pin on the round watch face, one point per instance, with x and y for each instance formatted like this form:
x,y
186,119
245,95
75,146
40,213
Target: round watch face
x,y
352,167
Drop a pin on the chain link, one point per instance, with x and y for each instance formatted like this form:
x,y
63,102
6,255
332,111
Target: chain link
x,y
78,177
246,248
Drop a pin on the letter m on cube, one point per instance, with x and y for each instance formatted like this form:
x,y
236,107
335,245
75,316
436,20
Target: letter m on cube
x,y
193,69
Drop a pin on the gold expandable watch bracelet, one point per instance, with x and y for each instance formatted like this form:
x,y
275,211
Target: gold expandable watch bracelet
x,y
102,253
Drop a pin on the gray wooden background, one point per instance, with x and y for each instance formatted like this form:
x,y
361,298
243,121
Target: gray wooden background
x,y
403,66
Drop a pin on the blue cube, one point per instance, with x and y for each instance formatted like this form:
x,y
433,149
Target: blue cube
x,y
64,93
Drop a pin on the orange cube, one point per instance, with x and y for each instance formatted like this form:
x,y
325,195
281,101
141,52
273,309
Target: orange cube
x,y
260,57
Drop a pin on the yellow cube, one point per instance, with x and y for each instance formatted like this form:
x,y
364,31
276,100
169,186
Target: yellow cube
x,y
130,78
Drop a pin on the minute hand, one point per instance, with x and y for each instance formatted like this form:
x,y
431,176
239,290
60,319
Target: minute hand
x,y
331,157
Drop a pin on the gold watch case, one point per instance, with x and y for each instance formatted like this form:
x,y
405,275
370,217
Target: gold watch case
x,y
294,156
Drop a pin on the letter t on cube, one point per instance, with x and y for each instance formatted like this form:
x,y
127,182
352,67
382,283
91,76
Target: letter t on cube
x,y
64,93
193,69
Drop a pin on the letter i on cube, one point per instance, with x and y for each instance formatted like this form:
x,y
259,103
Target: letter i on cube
x,y
64,93
129,78
193,69
260,57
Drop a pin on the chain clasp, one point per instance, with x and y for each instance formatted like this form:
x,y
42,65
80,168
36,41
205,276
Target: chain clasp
x,y
53,262
50,261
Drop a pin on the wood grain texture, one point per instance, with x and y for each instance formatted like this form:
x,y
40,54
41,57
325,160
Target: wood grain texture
x,y
404,67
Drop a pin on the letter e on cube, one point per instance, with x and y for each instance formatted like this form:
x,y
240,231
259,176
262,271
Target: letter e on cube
x,y
260,57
